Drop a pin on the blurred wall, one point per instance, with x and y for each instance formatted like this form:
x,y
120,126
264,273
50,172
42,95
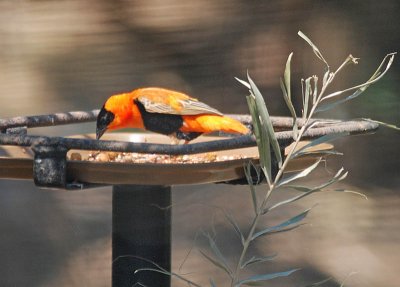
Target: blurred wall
x,y
71,55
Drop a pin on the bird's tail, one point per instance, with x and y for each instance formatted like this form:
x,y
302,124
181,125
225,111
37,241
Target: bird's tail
x,y
230,125
212,123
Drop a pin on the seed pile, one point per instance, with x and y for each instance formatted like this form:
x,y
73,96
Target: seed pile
x,y
124,157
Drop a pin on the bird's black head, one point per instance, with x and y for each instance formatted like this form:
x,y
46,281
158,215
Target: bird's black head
x,y
103,120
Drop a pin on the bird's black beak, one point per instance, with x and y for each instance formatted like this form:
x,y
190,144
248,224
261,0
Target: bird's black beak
x,y
100,132
103,120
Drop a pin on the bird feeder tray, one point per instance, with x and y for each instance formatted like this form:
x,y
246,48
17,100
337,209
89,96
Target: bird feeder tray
x,y
22,153
220,166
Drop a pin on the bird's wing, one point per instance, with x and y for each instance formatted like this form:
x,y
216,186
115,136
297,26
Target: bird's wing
x,y
170,102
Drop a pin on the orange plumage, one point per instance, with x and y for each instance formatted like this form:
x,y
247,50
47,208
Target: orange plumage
x,y
164,111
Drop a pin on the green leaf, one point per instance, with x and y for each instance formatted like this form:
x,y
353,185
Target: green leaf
x,y
244,83
254,260
266,120
161,270
153,270
321,152
247,171
262,138
352,192
235,226
263,129
220,260
329,106
212,283
286,76
298,175
300,188
320,140
289,104
291,109
391,126
282,226
314,123
253,280
315,49
315,93
319,283
216,263
326,78
337,177
307,190
303,97
307,92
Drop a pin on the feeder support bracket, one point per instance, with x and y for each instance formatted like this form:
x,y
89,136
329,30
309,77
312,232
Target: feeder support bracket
x,y
50,165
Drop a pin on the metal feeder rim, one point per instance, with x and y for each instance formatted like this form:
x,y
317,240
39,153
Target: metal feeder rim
x,y
74,117
323,127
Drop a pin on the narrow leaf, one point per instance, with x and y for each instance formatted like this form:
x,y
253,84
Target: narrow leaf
x,y
262,138
320,140
307,190
153,270
216,263
326,77
286,224
318,188
329,106
286,76
158,269
307,92
352,192
220,258
244,83
298,175
315,49
343,176
264,277
391,126
303,97
235,226
266,120
319,283
290,106
336,178
171,274
315,93
300,188
254,260
320,152
247,171
321,123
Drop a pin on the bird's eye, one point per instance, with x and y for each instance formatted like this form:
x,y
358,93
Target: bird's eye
x,y
105,118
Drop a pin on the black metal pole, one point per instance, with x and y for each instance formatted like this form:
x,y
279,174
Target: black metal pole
x,y
141,229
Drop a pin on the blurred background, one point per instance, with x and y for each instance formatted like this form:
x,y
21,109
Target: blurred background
x,y
58,56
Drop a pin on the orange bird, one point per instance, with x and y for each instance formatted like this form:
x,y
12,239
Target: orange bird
x,y
166,112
